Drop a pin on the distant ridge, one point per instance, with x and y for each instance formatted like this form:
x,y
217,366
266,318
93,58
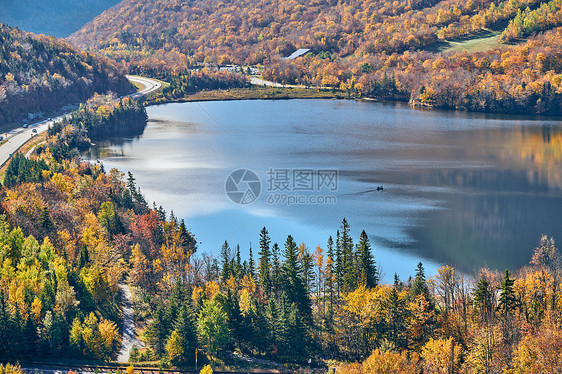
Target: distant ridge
x,y
58,18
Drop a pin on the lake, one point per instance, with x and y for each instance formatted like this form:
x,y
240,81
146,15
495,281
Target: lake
x,y
469,190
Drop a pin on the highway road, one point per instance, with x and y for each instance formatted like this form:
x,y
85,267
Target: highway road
x,y
150,85
18,137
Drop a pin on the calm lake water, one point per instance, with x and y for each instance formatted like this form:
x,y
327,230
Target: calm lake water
x,y
470,190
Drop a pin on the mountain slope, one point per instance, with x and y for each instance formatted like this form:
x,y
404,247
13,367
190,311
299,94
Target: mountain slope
x,y
58,18
247,31
40,73
367,48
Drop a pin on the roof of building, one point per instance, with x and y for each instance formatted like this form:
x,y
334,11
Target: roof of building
x,y
297,53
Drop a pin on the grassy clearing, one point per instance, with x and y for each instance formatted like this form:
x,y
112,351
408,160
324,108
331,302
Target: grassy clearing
x,y
480,42
255,93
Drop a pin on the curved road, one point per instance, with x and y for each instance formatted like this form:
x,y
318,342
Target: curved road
x,y
18,137
150,85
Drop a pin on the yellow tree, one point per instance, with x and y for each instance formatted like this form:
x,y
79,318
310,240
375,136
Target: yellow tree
x,y
540,352
391,363
174,347
440,355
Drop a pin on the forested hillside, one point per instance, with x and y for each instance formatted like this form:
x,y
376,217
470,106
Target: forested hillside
x,y
366,48
68,231
40,73
71,231
58,18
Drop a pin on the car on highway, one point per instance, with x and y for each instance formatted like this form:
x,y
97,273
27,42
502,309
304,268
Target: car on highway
x,y
34,131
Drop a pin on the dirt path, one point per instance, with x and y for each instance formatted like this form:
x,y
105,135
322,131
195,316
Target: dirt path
x,y
129,334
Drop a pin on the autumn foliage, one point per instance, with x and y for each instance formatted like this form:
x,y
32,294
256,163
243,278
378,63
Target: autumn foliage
x,y
40,74
387,50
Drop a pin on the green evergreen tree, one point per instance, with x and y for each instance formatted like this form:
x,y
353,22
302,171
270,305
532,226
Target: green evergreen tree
x,y
186,327
348,261
369,274
507,301
298,335
257,327
307,265
265,261
226,260
330,285
276,272
339,264
483,299
46,222
158,331
396,320
397,282
7,326
293,279
238,268
83,257
251,264
231,306
52,336
419,287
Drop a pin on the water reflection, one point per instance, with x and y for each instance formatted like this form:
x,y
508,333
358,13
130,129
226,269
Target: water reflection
x,y
467,189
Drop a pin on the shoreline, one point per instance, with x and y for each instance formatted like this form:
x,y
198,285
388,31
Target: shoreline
x,y
204,96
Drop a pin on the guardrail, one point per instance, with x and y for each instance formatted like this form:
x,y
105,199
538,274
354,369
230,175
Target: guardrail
x,y
37,367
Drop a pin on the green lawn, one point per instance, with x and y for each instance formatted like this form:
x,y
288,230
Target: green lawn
x,y
480,42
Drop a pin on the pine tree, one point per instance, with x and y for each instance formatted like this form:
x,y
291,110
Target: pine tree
x,y
258,329
231,305
369,275
251,264
83,257
158,330
52,336
483,299
293,278
265,261
177,298
280,326
397,282
276,272
298,335
226,261
7,326
339,264
238,268
185,325
330,279
419,287
507,301
173,219
348,264
46,222
307,265
29,336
